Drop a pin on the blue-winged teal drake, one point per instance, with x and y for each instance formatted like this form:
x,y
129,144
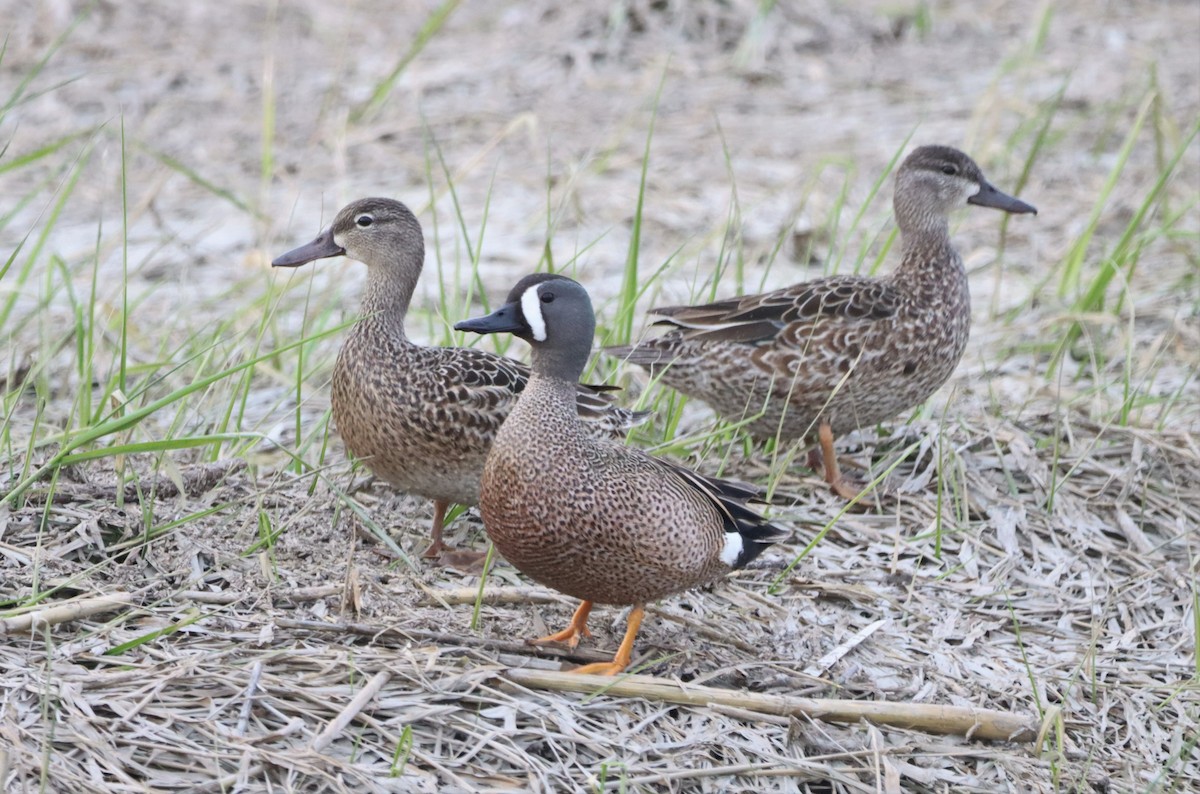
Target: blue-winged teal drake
x,y
595,519
422,418
827,356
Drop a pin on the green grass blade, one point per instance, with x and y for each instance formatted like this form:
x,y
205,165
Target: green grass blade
x,y
193,616
433,23
45,151
190,173
630,284
1072,268
64,195
129,420
18,92
163,445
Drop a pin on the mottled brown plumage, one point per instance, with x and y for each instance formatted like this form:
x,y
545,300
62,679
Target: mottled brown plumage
x,y
600,521
422,418
834,354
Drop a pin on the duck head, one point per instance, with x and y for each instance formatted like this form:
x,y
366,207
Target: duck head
x,y
379,232
553,314
934,180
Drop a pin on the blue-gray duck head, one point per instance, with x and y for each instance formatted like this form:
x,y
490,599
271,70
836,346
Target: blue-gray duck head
x,y
553,314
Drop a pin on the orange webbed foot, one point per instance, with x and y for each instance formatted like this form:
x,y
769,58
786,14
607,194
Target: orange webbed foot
x,y
600,668
847,489
843,486
463,560
624,653
572,633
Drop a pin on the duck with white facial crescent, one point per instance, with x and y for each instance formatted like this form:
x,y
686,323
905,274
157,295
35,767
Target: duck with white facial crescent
x,y
597,520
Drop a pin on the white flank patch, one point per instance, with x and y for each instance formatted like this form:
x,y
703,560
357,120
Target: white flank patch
x,y
733,548
531,307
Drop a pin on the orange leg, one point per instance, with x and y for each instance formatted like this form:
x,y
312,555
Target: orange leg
x,y
463,560
439,518
833,473
624,653
571,634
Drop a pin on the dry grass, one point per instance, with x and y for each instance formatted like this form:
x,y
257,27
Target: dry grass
x,y
241,613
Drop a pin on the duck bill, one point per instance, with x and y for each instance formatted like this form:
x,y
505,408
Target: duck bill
x,y
320,248
989,196
506,319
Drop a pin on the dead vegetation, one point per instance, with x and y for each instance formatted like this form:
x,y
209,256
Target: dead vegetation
x,y
224,618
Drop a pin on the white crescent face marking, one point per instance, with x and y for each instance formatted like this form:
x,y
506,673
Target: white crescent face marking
x,y
970,189
733,548
531,307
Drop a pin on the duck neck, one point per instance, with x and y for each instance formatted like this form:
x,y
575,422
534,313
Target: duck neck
x,y
387,295
553,391
561,362
917,220
556,373
924,238
547,409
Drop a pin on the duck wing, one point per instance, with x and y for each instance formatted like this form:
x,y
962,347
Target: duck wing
x,y
756,319
489,383
730,498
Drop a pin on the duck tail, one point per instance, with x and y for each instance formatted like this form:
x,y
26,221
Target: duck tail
x,y
748,533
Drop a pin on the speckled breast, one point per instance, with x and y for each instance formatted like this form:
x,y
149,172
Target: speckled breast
x,y
386,413
569,529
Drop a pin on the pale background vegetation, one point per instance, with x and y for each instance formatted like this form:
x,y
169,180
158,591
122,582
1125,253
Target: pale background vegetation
x,y
1033,546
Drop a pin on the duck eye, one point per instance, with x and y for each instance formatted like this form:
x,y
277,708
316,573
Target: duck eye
x,y
949,169
364,220
547,297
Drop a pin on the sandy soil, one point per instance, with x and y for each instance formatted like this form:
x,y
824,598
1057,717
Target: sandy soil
x,y
1066,590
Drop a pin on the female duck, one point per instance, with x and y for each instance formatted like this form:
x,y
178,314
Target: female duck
x,y
422,418
597,520
825,357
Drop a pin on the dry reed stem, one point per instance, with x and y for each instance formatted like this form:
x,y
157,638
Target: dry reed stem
x,y
294,595
492,596
973,723
62,613
248,704
1037,553
356,705
819,667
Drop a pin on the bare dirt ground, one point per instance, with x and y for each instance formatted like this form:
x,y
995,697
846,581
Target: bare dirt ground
x,y
1053,576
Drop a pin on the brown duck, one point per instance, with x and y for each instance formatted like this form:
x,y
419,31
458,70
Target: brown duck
x,y
597,520
824,357
422,418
